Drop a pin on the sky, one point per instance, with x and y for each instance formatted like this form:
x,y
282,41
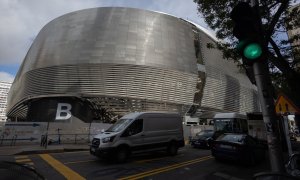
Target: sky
x,y
21,21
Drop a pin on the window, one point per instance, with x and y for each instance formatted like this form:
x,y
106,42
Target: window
x,y
136,127
205,133
224,125
119,125
239,138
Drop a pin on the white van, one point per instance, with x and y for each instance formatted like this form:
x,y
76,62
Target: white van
x,y
140,132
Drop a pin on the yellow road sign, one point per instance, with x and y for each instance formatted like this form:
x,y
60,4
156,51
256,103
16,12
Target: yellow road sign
x,y
285,105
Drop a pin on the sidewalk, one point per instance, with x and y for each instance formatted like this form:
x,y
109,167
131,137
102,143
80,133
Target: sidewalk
x,y
36,149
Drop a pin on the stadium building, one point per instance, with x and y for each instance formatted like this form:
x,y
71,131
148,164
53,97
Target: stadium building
x,y
4,88
101,63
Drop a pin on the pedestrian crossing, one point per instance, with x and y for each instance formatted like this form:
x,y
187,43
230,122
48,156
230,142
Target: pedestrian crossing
x,y
24,159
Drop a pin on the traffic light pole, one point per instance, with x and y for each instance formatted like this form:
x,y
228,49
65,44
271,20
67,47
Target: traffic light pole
x,y
253,48
265,94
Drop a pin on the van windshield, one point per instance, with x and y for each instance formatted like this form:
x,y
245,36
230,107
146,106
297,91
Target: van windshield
x,y
119,125
224,125
234,125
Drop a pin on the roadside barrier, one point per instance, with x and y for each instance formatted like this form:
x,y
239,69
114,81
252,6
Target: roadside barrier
x,y
65,139
47,139
11,140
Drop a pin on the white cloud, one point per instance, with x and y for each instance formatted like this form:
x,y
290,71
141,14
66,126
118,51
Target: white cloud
x,y
6,77
22,20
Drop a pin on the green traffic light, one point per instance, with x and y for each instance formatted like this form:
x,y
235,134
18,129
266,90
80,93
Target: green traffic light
x,y
252,51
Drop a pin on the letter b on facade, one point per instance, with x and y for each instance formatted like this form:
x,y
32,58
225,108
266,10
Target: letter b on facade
x,y
63,111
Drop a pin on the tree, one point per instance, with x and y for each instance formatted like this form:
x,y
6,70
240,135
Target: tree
x,y
277,17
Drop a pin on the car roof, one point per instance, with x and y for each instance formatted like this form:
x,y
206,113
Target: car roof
x,y
136,114
237,134
229,116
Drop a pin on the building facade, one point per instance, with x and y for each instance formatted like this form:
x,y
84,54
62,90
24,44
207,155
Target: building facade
x,y
4,89
101,63
293,32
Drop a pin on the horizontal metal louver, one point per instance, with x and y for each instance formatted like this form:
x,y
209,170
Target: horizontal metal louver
x,y
153,86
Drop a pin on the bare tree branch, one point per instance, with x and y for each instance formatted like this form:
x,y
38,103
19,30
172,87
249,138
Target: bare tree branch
x,y
276,17
273,5
279,61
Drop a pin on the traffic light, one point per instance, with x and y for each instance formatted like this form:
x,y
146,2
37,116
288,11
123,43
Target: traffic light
x,y
247,31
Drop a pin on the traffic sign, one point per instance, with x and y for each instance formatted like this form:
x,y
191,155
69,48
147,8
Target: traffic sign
x,y
285,105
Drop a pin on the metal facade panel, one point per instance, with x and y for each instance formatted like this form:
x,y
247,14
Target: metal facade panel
x,y
226,88
113,80
113,35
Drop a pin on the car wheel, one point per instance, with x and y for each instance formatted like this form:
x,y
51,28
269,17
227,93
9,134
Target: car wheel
x,y
172,149
122,154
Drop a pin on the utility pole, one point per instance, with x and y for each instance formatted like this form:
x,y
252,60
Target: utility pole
x,y
253,49
265,92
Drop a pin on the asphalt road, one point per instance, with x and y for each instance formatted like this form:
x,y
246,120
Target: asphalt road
x,y
188,164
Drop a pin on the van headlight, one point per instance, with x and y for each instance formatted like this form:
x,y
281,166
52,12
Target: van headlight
x,y
108,139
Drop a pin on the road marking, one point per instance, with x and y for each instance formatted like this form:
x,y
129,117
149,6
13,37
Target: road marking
x,y
23,160
30,163
61,168
166,168
72,152
75,162
21,157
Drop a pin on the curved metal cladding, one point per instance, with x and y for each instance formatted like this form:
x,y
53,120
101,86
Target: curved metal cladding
x,y
122,59
226,87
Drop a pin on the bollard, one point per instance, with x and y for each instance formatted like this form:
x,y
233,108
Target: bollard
x,y
2,137
13,140
42,140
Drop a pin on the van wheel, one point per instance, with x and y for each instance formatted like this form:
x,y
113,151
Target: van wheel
x,y
172,149
122,154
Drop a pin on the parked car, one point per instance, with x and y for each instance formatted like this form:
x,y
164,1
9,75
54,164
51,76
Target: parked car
x,y
202,139
239,147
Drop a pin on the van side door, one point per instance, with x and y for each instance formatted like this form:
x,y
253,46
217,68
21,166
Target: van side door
x,y
160,130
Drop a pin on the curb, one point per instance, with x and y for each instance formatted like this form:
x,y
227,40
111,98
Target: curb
x,y
40,152
47,151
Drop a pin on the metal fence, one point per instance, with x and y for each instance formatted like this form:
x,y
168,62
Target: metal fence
x,y
69,138
48,139
10,141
